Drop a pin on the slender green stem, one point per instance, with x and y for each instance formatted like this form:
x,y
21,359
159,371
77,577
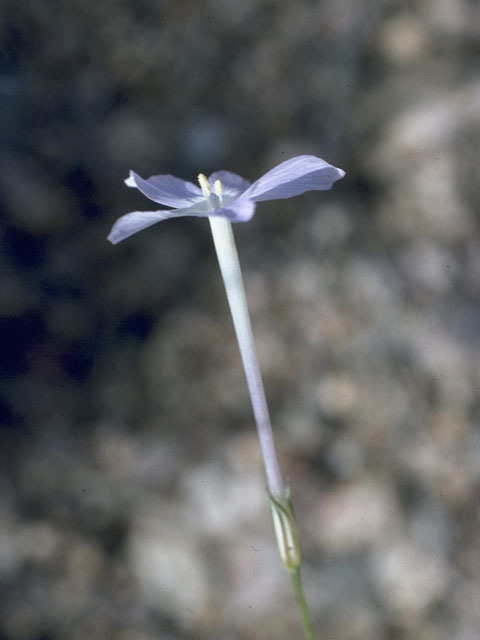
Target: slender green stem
x,y
302,604
279,496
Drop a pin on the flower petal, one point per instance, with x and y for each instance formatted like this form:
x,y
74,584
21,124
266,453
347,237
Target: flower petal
x,y
239,210
166,189
136,221
231,182
293,177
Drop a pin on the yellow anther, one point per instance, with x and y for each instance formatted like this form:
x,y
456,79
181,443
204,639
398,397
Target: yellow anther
x,y
218,188
204,184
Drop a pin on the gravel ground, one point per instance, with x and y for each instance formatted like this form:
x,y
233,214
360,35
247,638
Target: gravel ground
x,y
132,502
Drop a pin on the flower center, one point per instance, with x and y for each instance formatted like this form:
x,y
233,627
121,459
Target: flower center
x,y
215,198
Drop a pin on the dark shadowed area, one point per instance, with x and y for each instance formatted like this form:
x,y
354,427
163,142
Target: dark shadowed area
x,y
132,494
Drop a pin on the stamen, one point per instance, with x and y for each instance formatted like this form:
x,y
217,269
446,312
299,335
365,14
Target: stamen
x,y
204,184
218,188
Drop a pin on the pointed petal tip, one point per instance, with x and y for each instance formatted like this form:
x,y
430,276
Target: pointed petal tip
x,y
130,181
111,238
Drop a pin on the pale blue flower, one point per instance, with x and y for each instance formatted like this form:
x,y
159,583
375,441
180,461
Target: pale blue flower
x,y
223,194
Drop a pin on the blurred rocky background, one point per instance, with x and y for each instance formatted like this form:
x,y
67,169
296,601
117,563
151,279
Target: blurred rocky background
x,y
132,502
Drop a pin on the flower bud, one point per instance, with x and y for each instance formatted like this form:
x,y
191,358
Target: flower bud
x,y
286,532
